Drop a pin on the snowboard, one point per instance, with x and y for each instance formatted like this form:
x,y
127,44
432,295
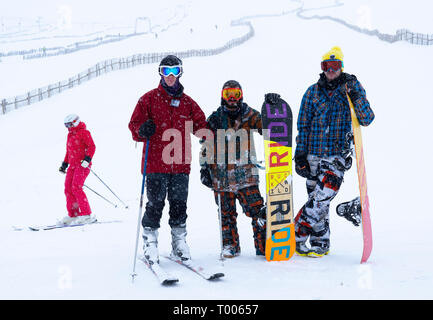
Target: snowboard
x,y
277,123
362,179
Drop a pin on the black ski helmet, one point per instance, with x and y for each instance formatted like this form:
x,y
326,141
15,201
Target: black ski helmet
x,y
171,60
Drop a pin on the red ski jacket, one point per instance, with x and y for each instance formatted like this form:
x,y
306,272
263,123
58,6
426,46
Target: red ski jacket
x,y
169,150
79,145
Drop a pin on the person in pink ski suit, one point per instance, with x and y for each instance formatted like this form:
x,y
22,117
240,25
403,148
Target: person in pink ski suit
x,y
80,149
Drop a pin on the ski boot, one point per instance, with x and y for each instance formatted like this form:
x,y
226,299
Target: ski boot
x,y
302,249
87,219
230,251
351,210
180,249
150,238
319,249
66,221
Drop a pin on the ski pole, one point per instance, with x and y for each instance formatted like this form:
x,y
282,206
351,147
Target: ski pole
x,y
220,223
108,188
115,205
133,274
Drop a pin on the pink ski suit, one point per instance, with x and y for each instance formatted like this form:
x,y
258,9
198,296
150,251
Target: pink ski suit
x,y
79,145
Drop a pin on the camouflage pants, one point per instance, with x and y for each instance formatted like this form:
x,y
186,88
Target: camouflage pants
x,y
312,221
251,202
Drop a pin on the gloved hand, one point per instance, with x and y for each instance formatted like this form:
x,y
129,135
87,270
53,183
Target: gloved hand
x,y
302,166
63,167
86,161
213,123
205,177
272,98
147,129
353,94
261,217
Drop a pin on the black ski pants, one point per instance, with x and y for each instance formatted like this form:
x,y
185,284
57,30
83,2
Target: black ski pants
x,y
162,185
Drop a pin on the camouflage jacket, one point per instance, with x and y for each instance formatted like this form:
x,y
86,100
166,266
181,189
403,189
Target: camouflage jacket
x,y
230,156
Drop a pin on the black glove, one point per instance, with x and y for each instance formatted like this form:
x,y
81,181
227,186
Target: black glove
x,y
205,177
272,98
261,217
147,129
213,123
302,166
353,94
63,167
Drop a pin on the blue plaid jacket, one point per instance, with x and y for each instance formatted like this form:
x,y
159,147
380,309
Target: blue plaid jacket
x,y
324,116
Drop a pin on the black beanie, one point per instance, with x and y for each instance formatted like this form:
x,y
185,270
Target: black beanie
x,y
232,84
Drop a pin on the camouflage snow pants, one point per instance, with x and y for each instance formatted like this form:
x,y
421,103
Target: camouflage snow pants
x,y
251,202
312,221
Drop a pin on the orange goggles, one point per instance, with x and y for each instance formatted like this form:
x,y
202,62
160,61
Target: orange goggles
x,y
232,93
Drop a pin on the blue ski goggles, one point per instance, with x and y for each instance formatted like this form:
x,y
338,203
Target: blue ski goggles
x,y
167,70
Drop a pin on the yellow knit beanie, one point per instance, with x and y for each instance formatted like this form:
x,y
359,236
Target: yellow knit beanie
x,y
334,54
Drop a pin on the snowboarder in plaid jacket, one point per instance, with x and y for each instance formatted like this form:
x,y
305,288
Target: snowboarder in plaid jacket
x,y
324,122
233,173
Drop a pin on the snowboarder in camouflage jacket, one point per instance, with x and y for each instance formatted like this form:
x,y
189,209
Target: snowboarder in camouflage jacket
x,y
233,173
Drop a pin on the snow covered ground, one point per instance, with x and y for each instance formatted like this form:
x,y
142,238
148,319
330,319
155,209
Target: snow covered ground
x,y
95,261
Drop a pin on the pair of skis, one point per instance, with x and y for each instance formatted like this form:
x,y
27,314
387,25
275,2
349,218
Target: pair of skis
x,y
56,226
165,278
277,124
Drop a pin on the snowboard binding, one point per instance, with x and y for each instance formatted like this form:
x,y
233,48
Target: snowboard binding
x,y
351,210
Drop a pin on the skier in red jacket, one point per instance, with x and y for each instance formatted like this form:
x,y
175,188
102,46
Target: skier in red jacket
x,y
166,116
80,149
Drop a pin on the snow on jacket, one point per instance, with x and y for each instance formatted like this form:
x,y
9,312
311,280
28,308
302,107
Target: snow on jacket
x,y
79,144
324,116
167,112
232,176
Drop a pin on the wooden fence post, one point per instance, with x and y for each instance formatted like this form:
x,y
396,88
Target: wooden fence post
x,y
4,104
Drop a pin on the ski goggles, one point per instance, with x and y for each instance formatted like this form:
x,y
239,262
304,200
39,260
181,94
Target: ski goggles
x,y
232,93
167,70
333,65
70,124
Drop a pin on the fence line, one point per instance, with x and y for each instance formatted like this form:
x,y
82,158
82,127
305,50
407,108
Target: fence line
x,y
400,35
139,59
95,42
110,65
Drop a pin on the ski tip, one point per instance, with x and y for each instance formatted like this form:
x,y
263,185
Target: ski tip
x,y
169,282
216,276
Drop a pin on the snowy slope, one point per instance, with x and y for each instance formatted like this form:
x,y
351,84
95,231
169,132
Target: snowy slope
x,y
94,262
